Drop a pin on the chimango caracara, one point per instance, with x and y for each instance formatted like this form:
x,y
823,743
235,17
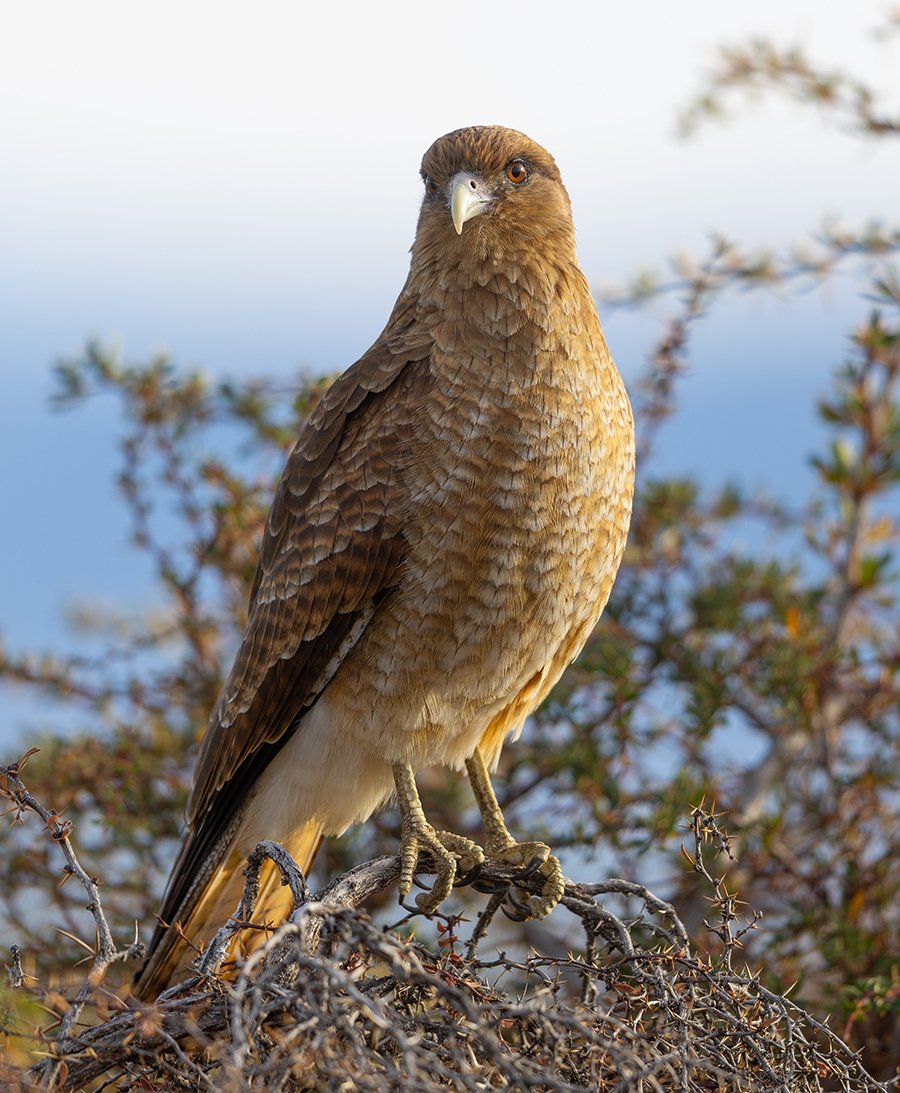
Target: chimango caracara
x,y
442,542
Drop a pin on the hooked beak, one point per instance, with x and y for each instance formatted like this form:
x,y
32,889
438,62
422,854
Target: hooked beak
x,y
468,198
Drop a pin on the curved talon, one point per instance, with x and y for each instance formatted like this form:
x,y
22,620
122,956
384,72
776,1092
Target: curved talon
x,y
513,917
533,866
522,910
470,877
515,912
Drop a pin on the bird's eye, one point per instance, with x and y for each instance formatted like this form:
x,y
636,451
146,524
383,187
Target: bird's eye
x,y
516,172
431,187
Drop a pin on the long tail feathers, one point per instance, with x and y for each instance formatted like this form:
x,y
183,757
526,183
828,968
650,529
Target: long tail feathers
x,y
171,957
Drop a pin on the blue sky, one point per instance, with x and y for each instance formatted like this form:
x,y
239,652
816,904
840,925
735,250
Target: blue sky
x,y
242,190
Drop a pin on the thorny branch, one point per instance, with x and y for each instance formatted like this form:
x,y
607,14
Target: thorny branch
x,y
105,952
332,997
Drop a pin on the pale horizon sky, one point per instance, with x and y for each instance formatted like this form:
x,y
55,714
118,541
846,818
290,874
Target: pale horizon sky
x,y
240,186
195,176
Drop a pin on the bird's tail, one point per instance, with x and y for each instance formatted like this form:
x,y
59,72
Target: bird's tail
x,y
175,946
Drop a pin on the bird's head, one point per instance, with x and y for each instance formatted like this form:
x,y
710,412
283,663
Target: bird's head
x,y
491,191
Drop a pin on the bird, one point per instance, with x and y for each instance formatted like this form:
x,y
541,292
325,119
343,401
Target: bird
x,y
441,544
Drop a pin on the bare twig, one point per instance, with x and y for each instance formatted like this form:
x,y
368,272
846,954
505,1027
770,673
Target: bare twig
x,y
331,998
15,977
104,952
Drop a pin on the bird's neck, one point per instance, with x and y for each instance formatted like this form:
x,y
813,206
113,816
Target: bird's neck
x,y
498,296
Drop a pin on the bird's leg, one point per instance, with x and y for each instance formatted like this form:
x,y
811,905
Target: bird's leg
x,y
417,835
501,846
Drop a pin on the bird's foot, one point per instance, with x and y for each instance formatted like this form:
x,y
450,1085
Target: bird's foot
x,y
531,857
444,847
417,836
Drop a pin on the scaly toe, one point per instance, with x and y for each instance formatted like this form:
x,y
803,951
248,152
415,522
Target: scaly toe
x,y
522,854
424,839
551,891
444,847
469,853
445,871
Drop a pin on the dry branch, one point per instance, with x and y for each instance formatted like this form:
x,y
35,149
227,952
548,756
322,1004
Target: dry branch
x,y
333,1000
104,952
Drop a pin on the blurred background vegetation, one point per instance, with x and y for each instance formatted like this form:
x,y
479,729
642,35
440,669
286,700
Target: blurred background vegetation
x,y
749,657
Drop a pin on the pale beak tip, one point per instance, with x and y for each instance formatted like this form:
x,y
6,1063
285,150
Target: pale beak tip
x,y
465,200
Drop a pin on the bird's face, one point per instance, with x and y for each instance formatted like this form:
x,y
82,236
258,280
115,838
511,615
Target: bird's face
x,y
490,190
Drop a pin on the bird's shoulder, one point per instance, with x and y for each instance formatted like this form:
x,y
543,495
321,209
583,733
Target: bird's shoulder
x,y
342,466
